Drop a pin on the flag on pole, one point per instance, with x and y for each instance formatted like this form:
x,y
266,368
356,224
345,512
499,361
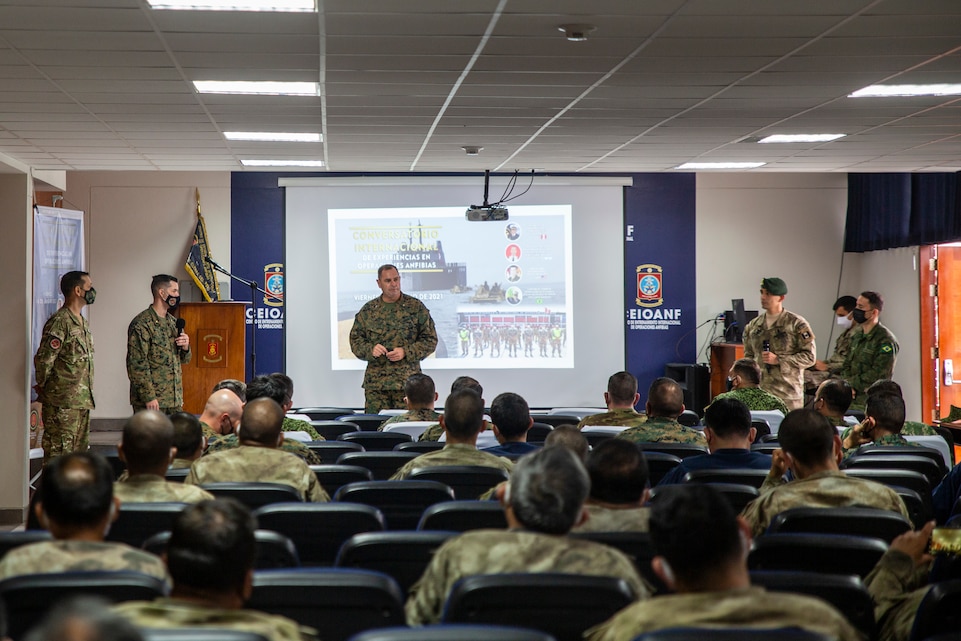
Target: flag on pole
x,y
197,266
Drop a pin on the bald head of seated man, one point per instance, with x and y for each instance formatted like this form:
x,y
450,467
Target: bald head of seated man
x,y
222,413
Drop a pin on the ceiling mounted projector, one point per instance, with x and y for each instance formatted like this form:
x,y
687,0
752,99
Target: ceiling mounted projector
x,y
487,211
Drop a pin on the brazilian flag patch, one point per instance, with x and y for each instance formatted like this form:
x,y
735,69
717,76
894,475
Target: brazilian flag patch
x,y
887,349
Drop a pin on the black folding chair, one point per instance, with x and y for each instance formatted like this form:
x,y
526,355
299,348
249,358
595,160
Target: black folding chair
x,y
382,465
754,478
401,502
274,550
333,477
319,529
401,555
329,451
823,553
331,429
376,441
254,494
467,481
137,522
461,516
855,521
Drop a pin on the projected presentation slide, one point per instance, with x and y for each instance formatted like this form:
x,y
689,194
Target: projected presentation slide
x,y
500,293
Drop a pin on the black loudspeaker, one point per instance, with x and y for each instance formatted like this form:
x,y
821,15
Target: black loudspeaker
x,y
695,380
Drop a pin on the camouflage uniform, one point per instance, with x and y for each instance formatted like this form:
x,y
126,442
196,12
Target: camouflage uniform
x,y
751,607
405,323
300,425
888,439
79,556
180,463
423,414
231,441
167,613
896,588
432,433
661,429
150,488
153,362
209,432
64,365
871,359
792,339
756,399
257,464
831,488
621,417
606,519
913,428
842,347
506,551
453,454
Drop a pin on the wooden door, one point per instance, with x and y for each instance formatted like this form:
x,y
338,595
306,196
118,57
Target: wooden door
x,y
940,328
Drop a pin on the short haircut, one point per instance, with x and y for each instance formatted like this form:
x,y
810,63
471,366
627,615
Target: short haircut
x,y
70,280
188,434
419,389
384,268
748,369
837,394
618,471
666,397
237,387
567,435
548,489
147,438
268,387
695,529
807,436
728,417
466,382
874,300
77,489
887,410
212,545
847,303
83,617
884,386
463,413
287,382
262,421
511,414
161,281
622,388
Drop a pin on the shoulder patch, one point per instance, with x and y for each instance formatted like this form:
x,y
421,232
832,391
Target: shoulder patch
x,y
805,334
54,343
887,349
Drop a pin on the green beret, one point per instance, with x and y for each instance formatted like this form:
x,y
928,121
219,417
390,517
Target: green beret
x,y
774,286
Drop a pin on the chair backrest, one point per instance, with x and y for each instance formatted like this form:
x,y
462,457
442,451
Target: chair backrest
x,y
688,418
382,465
331,429
421,447
579,412
454,632
324,413
596,438
274,550
766,447
319,529
109,452
365,422
636,546
773,418
659,464
919,510
376,441
737,495
845,592
467,481
199,634
609,430
754,478
412,428
12,540
461,516
732,634
333,477
681,450
856,521
329,451
823,553
762,428
939,611
557,419
401,555
891,477
934,442
539,432
176,474
137,522
563,605
29,597
401,502
254,494
922,459
337,603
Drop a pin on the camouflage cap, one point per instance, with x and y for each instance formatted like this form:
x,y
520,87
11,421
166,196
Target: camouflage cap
x,y
774,286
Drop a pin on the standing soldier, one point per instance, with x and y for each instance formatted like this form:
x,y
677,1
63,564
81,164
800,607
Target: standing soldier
x,y
155,351
874,349
64,365
464,335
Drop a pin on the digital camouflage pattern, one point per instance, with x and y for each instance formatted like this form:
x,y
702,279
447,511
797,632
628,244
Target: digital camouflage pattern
x,y
209,432
376,400
258,464
914,428
752,607
616,418
887,439
453,454
150,488
166,613
756,399
153,361
871,359
792,339
79,556
231,441
300,425
423,414
606,519
506,551
432,433
831,488
897,589
660,429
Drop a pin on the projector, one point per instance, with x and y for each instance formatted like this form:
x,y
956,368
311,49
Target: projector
x,y
476,213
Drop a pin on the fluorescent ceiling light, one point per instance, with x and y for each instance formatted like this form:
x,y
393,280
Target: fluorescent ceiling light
x,y
282,163
881,91
254,87
720,165
801,137
236,5
269,136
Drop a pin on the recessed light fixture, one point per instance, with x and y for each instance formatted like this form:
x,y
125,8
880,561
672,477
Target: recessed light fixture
x,y
472,150
272,136
882,91
577,32
268,87
721,165
236,5
801,137
282,163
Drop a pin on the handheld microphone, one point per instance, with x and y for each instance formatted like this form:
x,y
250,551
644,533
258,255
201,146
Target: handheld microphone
x,y
181,323
766,346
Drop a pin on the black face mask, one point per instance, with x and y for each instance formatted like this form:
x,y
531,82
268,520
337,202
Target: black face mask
x,y
859,315
730,383
89,296
173,301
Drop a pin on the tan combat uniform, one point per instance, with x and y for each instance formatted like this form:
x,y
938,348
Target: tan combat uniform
x,y
153,362
150,488
453,454
792,340
896,586
232,441
79,556
248,463
606,519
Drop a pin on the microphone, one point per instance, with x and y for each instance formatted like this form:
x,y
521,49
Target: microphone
x,y
181,323
766,346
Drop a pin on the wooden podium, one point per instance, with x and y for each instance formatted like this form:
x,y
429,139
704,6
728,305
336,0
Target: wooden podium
x,y
723,356
218,339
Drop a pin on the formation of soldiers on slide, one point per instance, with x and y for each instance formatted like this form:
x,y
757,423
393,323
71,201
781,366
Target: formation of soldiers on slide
x,y
511,339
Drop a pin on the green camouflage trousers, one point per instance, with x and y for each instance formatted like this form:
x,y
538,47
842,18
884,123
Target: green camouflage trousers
x,y
64,430
383,399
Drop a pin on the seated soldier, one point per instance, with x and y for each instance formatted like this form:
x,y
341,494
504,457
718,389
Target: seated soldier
x,y
419,396
701,552
211,559
832,400
147,447
189,440
811,449
568,436
745,377
512,420
620,398
221,414
912,428
433,433
619,477
665,402
286,403
258,456
82,617
237,387
77,505
883,420
543,501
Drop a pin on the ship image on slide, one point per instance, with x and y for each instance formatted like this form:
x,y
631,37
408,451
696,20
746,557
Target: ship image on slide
x,y
424,266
